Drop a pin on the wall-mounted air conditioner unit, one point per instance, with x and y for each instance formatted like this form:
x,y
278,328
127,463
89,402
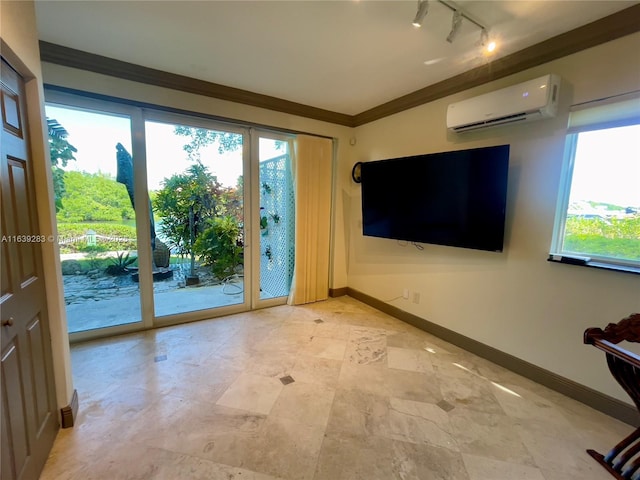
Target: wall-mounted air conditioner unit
x,y
531,100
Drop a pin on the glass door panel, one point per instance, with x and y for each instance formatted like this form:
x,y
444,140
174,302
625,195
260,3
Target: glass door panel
x,y
201,241
195,181
92,171
277,221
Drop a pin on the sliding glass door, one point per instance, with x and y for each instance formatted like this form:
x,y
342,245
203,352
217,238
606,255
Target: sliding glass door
x,y
166,218
93,182
196,185
276,219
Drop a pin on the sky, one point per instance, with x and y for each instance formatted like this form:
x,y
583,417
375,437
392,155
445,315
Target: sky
x,y
607,167
96,136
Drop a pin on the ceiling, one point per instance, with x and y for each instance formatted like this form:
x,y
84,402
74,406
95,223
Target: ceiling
x,y
343,56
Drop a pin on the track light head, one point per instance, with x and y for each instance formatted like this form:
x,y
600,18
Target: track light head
x,y
459,14
423,8
484,37
489,45
455,25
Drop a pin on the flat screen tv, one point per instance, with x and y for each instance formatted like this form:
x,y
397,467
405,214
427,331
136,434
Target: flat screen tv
x,y
452,198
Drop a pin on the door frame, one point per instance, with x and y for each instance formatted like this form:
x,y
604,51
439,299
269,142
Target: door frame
x,y
76,102
256,135
251,135
152,115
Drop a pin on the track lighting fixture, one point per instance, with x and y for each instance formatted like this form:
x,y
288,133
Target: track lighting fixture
x,y
458,15
484,37
423,8
456,21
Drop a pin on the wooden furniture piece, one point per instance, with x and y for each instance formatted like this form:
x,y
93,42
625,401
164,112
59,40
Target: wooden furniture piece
x,y
623,460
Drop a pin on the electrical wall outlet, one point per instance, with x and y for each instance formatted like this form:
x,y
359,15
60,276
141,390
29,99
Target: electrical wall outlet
x,y
405,294
416,297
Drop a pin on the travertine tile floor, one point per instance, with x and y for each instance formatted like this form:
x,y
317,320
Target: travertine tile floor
x,y
371,398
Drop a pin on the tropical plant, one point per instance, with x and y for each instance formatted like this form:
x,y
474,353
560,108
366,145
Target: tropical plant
x,y
61,152
188,202
220,247
231,202
231,198
120,264
185,204
202,137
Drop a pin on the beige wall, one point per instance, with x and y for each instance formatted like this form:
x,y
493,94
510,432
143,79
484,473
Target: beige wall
x,y
20,48
515,301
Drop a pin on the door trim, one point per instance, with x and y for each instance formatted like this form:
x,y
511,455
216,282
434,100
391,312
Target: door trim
x,y
139,114
170,118
256,135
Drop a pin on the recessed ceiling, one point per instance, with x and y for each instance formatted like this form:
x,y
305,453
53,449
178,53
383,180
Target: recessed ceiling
x,y
342,56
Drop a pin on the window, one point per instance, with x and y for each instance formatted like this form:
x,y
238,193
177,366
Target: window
x,y
598,217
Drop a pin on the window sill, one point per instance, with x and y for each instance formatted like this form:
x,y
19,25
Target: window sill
x,y
582,262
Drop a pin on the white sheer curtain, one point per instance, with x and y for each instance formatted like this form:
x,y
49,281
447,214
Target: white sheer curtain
x,y
312,163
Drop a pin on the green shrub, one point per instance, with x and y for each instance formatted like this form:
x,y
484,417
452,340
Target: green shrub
x,y
615,238
614,228
218,246
71,267
84,265
93,197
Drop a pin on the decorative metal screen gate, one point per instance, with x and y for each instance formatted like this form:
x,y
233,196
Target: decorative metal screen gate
x,y
277,227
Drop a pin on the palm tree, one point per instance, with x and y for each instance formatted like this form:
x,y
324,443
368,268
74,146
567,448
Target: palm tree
x,y
61,152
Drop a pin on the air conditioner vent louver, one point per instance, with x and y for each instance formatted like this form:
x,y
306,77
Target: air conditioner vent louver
x,y
496,121
532,100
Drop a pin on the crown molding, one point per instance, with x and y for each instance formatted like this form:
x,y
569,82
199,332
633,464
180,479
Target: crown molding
x,y
620,24
71,57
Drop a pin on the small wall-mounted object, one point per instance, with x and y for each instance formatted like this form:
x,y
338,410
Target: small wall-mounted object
x,y
355,172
